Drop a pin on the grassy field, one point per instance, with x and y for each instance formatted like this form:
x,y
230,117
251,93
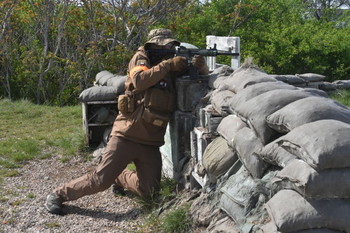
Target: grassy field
x,y
342,96
30,131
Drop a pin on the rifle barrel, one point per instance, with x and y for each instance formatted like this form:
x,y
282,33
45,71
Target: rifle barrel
x,y
191,52
227,53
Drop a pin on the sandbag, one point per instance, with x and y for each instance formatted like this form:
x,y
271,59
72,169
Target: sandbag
x,y
270,227
258,108
214,76
276,155
98,93
290,79
307,110
314,91
244,78
106,78
327,86
226,225
220,80
291,212
256,90
220,100
104,116
229,126
106,135
344,84
204,209
247,145
218,157
311,77
102,77
318,230
117,81
329,183
322,144
240,195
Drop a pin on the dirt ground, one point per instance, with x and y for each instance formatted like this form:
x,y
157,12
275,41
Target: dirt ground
x,y
23,196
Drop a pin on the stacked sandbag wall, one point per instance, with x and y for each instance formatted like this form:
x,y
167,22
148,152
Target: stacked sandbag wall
x,y
312,80
279,158
107,86
99,105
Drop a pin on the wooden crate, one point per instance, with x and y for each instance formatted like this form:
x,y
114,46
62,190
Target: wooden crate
x,y
96,122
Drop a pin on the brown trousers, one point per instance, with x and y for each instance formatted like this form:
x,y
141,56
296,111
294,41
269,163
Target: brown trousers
x,y
112,169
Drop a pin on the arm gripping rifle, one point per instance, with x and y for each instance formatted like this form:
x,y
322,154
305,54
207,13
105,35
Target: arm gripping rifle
x,y
190,53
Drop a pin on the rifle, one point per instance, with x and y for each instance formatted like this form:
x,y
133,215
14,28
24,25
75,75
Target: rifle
x,y
190,53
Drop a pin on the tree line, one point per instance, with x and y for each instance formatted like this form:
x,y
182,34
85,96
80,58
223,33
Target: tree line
x,y
51,50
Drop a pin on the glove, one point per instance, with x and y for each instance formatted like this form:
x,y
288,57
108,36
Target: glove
x,y
178,64
199,62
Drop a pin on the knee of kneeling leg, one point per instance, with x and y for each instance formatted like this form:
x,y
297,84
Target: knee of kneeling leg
x,y
102,183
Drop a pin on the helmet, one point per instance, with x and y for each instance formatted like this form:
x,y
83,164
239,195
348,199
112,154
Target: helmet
x,y
161,37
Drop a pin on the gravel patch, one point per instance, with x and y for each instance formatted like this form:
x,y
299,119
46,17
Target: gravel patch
x,y
23,197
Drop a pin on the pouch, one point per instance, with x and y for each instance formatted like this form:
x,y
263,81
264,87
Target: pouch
x,y
158,99
126,104
156,118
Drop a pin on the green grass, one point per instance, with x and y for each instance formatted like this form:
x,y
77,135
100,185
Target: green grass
x,y
341,96
177,221
52,225
31,195
166,192
163,215
29,131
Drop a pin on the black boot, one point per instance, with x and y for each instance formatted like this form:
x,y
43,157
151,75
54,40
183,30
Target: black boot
x,y
53,203
118,191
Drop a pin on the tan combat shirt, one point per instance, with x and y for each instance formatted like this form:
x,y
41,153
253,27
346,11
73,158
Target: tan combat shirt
x,y
131,125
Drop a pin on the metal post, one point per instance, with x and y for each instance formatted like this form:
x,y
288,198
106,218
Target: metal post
x,y
226,44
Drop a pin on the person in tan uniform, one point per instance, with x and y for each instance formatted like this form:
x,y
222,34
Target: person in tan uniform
x,y
138,131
